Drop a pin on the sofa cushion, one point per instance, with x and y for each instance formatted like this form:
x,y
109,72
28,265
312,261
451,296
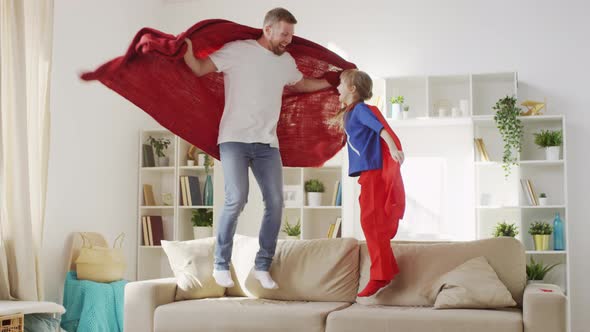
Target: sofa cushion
x,y
403,319
192,264
421,264
243,314
305,270
473,284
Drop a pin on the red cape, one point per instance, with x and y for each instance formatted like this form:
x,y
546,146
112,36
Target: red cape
x,y
153,76
395,204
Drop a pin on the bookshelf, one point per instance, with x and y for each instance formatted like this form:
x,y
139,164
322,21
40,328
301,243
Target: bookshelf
x,y
151,260
472,194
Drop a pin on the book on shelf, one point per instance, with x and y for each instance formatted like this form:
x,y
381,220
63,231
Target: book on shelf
x,y
339,195
481,148
330,231
337,228
148,195
529,192
153,230
148,156
194,191
335,193
144,229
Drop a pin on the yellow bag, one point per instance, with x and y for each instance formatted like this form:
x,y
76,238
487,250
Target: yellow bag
x,y
101,264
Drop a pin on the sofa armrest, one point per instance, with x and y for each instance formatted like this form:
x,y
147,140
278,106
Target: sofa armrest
x,y
544,308
141,300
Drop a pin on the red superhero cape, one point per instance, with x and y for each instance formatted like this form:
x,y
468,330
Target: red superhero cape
x,y
395,204
153,76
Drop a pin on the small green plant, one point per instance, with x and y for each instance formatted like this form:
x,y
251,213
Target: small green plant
x,y
537,271
292,230
202,218
159,144
511,130
540,228
406,108
397,100
314,186
547,138
208,163
543,195
505,229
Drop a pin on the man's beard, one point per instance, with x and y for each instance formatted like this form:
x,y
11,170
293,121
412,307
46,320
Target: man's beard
x,y
276,49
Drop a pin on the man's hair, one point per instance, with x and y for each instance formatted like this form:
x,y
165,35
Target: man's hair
x,y
277,15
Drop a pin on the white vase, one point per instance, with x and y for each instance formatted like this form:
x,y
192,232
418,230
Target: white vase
x,y
293,237
535,282
314,199
200,232
552,152
542,201
464,106
405,115
190,163
396,111
163,161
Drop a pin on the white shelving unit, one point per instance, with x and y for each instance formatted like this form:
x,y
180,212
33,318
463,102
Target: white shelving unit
x,y
152,261
441,148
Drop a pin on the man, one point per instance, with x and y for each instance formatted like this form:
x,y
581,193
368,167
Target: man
x,y
255,73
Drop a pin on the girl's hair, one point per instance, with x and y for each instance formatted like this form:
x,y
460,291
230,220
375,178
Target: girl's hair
x,y
364,90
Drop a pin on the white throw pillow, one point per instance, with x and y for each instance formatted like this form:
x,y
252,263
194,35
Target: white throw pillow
x,y
192,265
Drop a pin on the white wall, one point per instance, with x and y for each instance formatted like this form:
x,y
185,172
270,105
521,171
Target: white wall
x,y
92,183
94,130
545,41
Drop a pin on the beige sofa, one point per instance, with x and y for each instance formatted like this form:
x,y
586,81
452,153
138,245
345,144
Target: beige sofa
x,y
319,280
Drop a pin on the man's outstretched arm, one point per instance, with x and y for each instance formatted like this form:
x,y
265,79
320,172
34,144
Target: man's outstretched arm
x,y
199,66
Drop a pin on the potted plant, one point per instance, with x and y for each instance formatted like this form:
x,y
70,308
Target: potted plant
x,y
541,232
160,145
543,199
406,113
505,229
396,107
314,189
293,232
201,158
202,221
551,140
511,130
535,272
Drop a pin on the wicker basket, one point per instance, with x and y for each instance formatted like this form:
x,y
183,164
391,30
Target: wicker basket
x,y
12,323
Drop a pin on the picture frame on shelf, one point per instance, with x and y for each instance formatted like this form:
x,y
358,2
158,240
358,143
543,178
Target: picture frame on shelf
x,y
292,196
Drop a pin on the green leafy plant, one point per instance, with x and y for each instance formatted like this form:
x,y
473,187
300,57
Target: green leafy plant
x,y
202,218
540,228
547,138
208,163
314,186
543,195
537,271
292,230
406,108
505,229
397,100
159,144
511,130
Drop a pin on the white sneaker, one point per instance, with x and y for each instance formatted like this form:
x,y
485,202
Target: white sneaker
x,y
223,278
265,280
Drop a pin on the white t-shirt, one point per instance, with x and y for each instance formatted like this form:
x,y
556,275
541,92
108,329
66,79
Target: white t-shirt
x,y
254,78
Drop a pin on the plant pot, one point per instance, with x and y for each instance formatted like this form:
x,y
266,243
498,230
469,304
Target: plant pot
x,y
292,237
163,161
534,282
201,159
200,232
541,242
552,152
405,115
542,201
396,111
314,199
190,163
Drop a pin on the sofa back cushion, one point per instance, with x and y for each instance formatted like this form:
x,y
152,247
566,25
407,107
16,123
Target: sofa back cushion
x,y
421,264
305,270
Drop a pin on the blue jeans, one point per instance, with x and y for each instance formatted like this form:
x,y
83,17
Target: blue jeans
x,y
267,167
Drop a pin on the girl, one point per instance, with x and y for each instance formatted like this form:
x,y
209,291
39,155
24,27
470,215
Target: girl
x,y
374,154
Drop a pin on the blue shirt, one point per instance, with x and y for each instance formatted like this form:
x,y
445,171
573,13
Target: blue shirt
x,y
363,137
